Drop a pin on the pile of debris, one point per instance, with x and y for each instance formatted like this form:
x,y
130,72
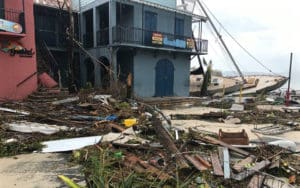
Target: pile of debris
x,y
133,144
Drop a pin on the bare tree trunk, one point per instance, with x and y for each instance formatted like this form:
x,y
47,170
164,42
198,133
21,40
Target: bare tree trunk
x,y
70,44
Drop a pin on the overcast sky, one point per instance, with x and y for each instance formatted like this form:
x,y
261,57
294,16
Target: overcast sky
x,y
269,29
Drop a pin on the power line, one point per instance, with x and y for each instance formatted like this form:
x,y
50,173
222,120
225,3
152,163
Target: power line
x,y
222,50
242,47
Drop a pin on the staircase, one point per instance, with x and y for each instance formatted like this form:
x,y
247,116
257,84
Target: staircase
x,y
46,95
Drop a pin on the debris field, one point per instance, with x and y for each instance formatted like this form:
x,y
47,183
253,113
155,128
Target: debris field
x,y
132,143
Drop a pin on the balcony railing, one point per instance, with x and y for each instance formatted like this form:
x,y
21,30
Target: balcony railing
x,y
131,35
14,16
52,38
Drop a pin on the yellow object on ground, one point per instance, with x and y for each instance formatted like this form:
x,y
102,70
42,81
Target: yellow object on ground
x,y
69,182
130,122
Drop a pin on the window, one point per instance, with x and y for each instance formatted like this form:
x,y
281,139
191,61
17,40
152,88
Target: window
x,y
150,26
179,27
1,8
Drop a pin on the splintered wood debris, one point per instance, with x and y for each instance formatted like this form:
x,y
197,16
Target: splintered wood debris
x,y
151,149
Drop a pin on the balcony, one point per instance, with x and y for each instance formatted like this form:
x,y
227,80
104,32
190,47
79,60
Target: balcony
x,y
13,16
142,37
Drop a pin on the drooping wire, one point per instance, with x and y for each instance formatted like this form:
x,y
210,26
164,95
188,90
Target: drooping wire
x,y
239,44
223,52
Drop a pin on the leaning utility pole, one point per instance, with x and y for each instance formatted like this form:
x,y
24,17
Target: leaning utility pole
x,y
222,41
287,98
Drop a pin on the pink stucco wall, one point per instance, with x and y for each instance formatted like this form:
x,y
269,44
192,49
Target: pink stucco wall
x,y
14,69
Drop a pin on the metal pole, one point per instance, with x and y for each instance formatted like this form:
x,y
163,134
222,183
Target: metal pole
x,y
287,99
222,41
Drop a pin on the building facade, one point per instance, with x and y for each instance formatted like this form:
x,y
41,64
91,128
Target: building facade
x,y
18,72
51,23
150,40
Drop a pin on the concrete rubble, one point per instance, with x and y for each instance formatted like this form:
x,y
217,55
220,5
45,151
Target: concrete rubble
x,y
196,145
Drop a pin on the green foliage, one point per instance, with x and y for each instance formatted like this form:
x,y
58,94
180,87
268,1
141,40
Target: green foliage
x,y
15,148
123,105
101,170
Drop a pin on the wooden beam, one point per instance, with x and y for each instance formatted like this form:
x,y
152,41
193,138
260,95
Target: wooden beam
x,y
218,171
252,170
256,181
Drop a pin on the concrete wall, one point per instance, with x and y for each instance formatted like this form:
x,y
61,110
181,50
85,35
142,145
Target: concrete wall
x,y
144,73
14,69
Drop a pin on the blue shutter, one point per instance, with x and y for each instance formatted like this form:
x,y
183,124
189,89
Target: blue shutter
x,y
179,27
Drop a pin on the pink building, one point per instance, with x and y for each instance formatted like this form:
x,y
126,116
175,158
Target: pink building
x,y
18,70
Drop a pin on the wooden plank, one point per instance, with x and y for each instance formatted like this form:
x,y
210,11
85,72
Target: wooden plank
x,y
116,127
220,152
252,170
140,166
216,164
256,181
196,163
226,163
240,166
203,161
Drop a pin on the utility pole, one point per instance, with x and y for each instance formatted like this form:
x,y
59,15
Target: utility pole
x,y
222,41
287,98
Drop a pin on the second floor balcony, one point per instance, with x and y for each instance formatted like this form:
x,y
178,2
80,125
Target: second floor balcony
x,y
141,37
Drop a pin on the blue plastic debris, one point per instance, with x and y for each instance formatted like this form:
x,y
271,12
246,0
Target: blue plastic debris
x,y
94,118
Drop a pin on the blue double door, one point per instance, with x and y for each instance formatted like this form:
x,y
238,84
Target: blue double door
x,y
164,78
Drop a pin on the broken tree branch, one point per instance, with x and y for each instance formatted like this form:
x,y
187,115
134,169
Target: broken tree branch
x,y
167,142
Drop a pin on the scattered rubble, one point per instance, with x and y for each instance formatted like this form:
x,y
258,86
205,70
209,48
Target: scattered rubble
x,y
133,143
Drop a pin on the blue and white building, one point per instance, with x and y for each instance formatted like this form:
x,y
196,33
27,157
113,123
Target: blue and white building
x,y
152,40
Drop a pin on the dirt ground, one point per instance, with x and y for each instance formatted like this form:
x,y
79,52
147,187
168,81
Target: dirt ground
x,y
36,171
